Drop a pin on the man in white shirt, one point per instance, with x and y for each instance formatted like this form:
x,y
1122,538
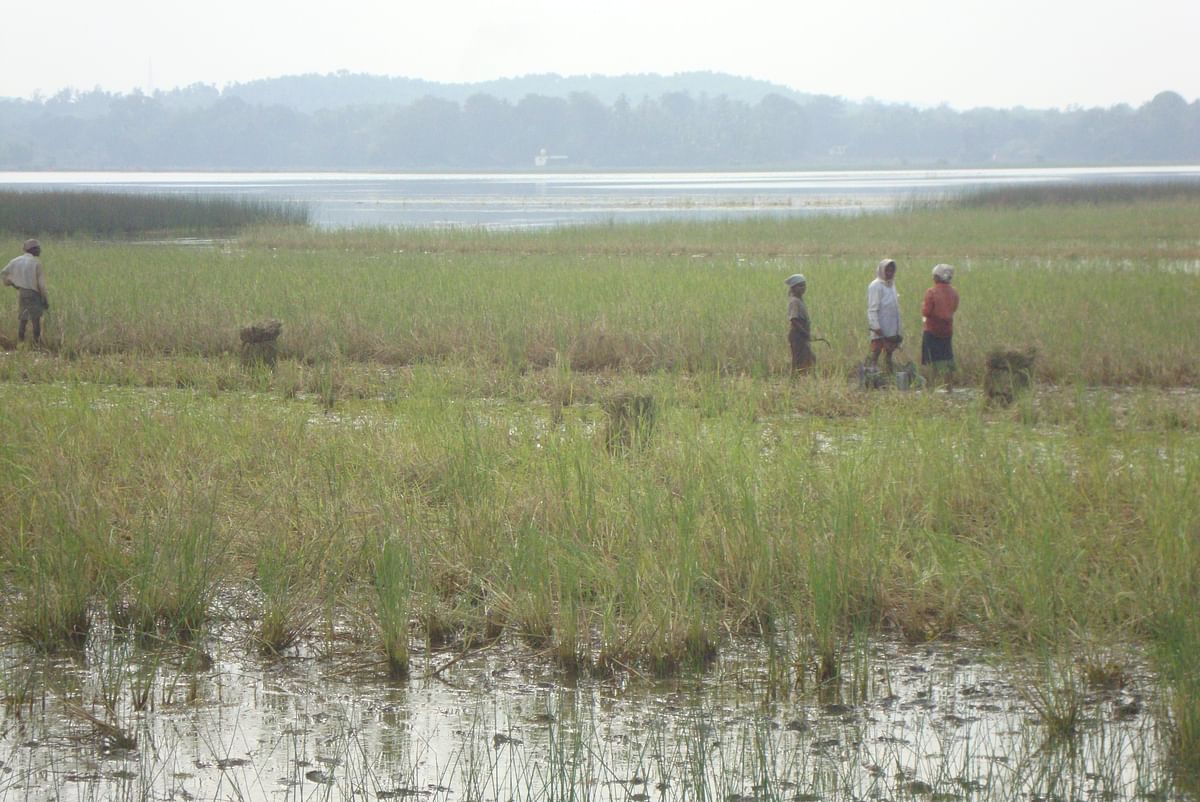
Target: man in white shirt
x,y
25,274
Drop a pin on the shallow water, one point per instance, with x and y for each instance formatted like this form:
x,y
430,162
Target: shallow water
x,y
542,199
940,721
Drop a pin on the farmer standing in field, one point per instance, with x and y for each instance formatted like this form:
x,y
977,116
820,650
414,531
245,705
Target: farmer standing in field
x,y
883,314
937,312
26,275
800,327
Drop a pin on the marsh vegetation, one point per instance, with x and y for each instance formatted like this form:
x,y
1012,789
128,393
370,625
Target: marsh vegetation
x,y
118,214
428,478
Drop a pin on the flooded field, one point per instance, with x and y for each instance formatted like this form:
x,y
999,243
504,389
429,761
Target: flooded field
x,y
938,721
570,528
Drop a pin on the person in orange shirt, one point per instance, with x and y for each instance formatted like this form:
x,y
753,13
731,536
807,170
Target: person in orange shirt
x,y
937,312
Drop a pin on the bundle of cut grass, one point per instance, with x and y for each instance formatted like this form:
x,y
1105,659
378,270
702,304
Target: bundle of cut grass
x,y
630,421
1009,373
258,342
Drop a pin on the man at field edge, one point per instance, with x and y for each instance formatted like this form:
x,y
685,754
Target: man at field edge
x,y
26,275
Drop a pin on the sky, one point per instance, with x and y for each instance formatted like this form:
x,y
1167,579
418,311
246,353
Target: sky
x,y
962,53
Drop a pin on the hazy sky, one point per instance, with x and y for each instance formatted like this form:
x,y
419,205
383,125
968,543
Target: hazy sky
x,y
1034,53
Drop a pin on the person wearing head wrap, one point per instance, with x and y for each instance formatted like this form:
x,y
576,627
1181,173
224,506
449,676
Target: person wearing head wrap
x,y
25,275
937,312
800,327
883,314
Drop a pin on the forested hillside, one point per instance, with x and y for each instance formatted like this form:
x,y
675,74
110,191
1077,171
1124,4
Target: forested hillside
x,y
689,121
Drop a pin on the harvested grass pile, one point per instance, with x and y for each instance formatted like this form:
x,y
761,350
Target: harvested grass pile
x,y
1009,373
259,342
630,421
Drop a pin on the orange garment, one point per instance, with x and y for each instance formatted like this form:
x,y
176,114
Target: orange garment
x,y
941,302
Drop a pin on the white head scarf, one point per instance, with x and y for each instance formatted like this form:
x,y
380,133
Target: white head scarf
x,y
883,266
943,273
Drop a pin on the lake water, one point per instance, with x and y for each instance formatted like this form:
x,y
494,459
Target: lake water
x,y
547,199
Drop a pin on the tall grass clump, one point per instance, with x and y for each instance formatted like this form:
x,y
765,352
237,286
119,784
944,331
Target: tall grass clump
x,y
1056,694
393,568
174,566
1172,579
53,572
291,587
1178,655
119,214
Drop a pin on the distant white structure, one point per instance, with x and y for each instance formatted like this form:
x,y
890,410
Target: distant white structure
x,y
543,158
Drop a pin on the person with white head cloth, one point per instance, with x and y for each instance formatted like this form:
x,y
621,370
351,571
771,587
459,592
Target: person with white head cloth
x,y
25,275
799,325
883,314
937,312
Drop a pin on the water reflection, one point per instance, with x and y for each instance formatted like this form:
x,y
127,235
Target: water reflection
x,y
939,721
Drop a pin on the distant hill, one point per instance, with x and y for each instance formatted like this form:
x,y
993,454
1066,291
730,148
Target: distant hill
x,y
309,93
695,120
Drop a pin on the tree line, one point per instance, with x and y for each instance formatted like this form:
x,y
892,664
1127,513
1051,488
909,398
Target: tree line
x,y
257,127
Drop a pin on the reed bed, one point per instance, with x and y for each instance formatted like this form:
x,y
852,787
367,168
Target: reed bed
x,y
61,213
1100,192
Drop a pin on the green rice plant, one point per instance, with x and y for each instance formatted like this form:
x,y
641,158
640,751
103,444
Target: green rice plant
x,y
845,561
826,582
175,565
671,626
1183,715
126,676
1176,636
392,566
54,575
328,384
1056,694
290,593
746,560
531,609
